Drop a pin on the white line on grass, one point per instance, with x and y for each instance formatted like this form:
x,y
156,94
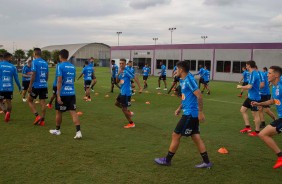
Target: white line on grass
x,y
223,101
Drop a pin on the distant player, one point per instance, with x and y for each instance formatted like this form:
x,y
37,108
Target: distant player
x,y
275,127
8,72
26,75
54,96
131,69
245,79
175,79
188,125
201,73
114,71
88,74
38,86
124,98
206,80
146,71
253,95
66,100
162,76
94,79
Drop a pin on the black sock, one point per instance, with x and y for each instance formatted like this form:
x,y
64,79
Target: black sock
x,y
36,114
279,154
77,127
42,119
257,132
248,126
262,123
241,93
205,157
169,156
131,122
58,127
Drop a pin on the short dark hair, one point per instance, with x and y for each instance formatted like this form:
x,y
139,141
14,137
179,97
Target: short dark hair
x,y
265,68
251,63
184,65
7,55
130,61
276,69
64,54
244,67
37,51
86,62
122,59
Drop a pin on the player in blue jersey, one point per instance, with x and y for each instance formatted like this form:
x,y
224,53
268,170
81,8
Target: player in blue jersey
x,y
88,74
38,86
132,70
146,71
66,100
8,72
245,79
123,99
275,127
175,79
26,74
201,73
54,96
206,80
188,125
162,76
253,95
114,72
94,79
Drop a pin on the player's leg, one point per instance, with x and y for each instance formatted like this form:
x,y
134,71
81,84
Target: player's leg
x,y
202,150
172,86
9,109
269,113
59,118
245,116
76,122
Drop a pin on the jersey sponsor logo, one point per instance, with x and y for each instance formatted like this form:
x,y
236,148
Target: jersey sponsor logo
x,y
68,88
277,102
277,92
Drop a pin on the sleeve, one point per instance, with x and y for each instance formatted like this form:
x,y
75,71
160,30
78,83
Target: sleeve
x,y
129,74
261,77
192,85
33,67
59,71
17,78
24,70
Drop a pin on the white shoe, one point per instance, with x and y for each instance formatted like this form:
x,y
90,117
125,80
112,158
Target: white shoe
x,y
165,89
78,135
24,99
55,132
133,94
158,88
92,90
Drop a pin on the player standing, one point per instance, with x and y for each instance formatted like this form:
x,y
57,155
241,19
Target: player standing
x,y
162,76
114,71
146,72
245,79
88,74
26,74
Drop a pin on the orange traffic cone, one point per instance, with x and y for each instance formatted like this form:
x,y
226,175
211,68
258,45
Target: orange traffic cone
x,y
79,113
147,102
223,151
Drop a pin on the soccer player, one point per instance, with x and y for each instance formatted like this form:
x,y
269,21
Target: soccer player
x,y
146,72
245,79
175,79
94,79
123,99
114,71
275,127
87,73
54,96
162,76
7,73
201,73
188,125
26,74
66,100
206,80
131,69
253,95
38,86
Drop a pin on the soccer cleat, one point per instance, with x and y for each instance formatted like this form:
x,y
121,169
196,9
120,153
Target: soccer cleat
x,y
88,100
209,93
253,134
41,123
78,135
133,94
165,89
24,99
7,116
158,88
132,125
49,106
162,161
92,90
204,165
240,95
55,132
37,120
85,98
278,163
245,130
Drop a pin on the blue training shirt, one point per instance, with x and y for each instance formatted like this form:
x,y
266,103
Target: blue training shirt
x,y
146,71
206,75
277,97
163,70
246,76
27,71
40,67
265,90
131,69
7,73
67,71
253,93
201,72
56,76
125,78
189,100
87,72
114,71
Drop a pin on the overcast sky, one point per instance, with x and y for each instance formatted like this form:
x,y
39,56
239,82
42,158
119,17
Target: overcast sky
x,y
29,23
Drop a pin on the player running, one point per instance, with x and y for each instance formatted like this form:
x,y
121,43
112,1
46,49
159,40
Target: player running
x,y
146,72
130,68
201,73
162,76
175,79
88,74
206,80
245,79
114,72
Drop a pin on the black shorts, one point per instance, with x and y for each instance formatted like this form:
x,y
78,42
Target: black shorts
x,y
187,126
247,104
277,124
202,80
265,98
162,77
145,78
176,79
113,80
245,83
87,83
132,81
41,92
69,103
6,95
54,90
205,82
124,100
25,85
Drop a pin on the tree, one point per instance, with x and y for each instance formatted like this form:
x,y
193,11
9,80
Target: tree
x,y
46,55
19,54
29,54
55,56
3,51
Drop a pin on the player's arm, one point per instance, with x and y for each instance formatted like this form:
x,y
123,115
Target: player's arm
x,y
17,79
178,110
79,76
59,87
199,96
138,83
249,86
32,78
268,102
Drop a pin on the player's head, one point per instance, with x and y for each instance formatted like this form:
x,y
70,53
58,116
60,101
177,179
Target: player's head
x,y
64,55
113,62
251,64
122,63
130,63
182,68
29,63
37,52
244,68
91,59
264,69
86,62
200,66
8,56
161,63
146,64
274,74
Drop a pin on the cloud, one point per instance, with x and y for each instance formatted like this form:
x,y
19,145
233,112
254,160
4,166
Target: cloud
x,y
276,21
222,2
143,4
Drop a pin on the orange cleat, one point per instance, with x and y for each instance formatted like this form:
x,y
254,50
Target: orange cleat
x,y
239,95
253,134
41,123
129,125
278,163
7,116
245,130
49,106
37,120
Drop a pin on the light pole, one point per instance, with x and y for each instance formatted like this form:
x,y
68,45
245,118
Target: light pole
x,y
171,30
155,39
118,33
13,47
204,38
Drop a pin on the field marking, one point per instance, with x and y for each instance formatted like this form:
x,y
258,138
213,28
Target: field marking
x,y
224,101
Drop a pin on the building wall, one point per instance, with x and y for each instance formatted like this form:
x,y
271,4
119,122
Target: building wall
x,y
266,58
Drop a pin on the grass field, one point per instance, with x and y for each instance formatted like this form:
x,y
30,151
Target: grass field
x,y
108,153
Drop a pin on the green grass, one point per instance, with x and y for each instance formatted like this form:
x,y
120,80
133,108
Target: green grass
x,y
108,153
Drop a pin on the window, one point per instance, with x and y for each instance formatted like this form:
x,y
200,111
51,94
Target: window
x,y
192,64
223,66
237,66
204,63
219,66
158,63
171,64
